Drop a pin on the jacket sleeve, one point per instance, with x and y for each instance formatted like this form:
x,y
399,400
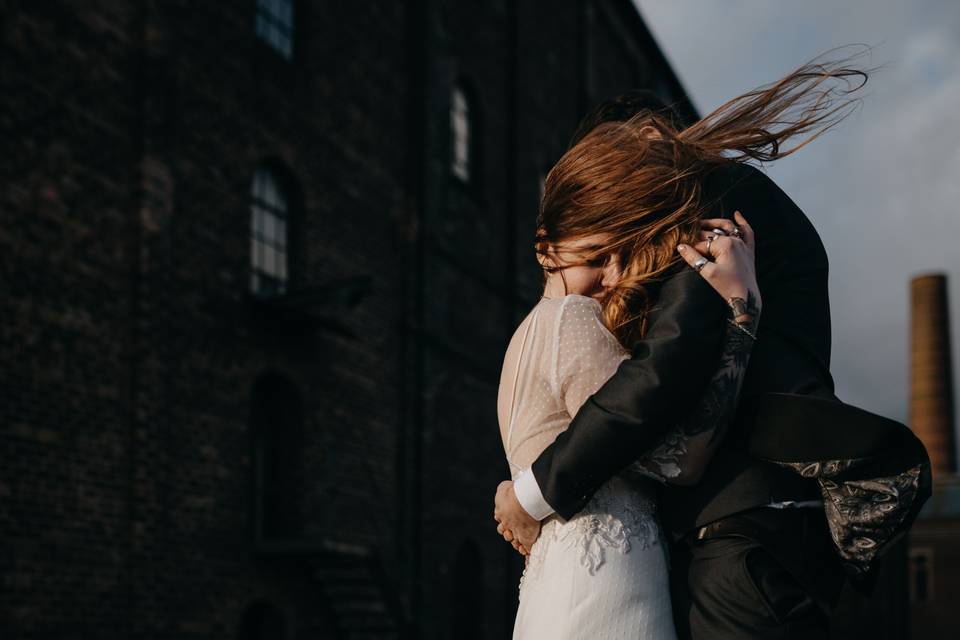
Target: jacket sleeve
x,y
633,410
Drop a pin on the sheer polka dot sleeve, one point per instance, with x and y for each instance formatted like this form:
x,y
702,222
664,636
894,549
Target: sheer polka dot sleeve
x,y
585,353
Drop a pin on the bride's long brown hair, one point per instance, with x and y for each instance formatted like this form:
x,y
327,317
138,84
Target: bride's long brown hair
x,y
640,181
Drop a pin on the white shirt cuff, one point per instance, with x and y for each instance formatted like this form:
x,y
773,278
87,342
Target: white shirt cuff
x,y
529,496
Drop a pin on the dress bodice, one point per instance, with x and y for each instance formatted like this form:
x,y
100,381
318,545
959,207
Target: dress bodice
x,y
560,355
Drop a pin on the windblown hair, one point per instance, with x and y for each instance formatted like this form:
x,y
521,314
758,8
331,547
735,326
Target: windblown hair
x,y
641,180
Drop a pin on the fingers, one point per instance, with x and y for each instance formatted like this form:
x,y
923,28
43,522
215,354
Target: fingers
x,y
716,247
693,258
738,227
512,522
705,246
727,227
499,498
745,229
712,244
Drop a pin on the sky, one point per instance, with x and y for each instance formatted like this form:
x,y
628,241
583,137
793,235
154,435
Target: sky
x,y
882,188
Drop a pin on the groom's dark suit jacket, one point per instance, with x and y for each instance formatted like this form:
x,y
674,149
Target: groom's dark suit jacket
x,y
672,365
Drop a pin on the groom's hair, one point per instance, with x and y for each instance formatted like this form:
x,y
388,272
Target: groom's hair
x,y
622,108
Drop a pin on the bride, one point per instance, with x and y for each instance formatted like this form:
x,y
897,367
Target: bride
x,y
603,573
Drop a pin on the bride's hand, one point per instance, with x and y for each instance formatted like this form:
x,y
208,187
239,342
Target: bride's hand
x,y
513,522
730,244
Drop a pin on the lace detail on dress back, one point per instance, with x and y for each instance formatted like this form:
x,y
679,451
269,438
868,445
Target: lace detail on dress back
x,y
620,517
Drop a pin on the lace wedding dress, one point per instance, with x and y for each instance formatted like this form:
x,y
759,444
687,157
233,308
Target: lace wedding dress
x,y
602,575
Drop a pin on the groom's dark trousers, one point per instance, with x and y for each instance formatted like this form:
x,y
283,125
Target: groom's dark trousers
x,y
741,567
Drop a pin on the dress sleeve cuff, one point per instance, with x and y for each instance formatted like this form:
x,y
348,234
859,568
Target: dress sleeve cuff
x,y
529,496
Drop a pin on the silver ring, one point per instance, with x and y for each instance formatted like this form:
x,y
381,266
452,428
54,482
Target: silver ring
x,y
719,232
700,264
736,233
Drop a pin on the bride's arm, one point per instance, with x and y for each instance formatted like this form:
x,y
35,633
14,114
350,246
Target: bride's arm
x,y
585,353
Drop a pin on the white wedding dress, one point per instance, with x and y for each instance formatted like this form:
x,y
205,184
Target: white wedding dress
x,y
602,575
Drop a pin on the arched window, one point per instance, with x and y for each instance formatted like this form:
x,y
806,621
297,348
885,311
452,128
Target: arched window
x,y
262,621
274,25
276,420
462,143
468,593
269,229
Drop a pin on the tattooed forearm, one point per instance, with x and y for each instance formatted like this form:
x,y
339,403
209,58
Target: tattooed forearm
x,y
741,308
718,405
689,445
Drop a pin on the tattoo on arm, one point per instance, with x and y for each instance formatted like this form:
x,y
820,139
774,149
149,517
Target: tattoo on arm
x,y
709,420
719,402
749,307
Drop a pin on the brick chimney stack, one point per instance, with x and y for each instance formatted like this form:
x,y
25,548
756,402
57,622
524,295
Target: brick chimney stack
x,y
931,379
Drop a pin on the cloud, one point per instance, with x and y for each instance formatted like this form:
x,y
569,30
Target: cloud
x,y
883,188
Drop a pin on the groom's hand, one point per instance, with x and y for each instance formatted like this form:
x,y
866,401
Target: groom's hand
x,y
514,523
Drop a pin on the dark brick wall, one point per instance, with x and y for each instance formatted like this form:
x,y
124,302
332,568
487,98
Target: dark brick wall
x,y
130,344
66,202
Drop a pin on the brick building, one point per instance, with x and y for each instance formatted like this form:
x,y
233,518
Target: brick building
x,y
259,263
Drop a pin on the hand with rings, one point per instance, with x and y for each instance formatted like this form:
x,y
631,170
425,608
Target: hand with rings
x,y
730,244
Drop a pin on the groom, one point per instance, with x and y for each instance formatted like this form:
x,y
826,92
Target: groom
x,y
752,556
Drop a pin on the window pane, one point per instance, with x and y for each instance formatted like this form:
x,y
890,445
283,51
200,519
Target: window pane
x,y
460,134
268,260
268,234
270,192
280,199
255,222
258,258
268,228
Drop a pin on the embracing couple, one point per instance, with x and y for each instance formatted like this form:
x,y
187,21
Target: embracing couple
x,y
681,466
